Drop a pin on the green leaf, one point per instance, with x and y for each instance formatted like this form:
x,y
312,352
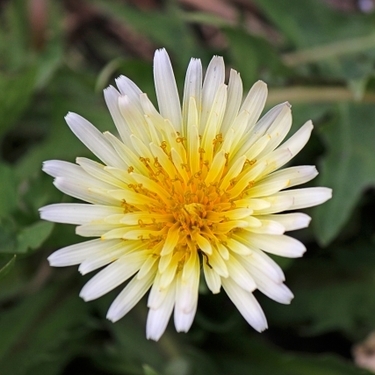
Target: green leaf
x,y
4,270
149,370
167,28
68,91
8,191
19,241
16,91
347,167
14,34
257,358
32,237
131,350
252,56
8,233
294,17
42,328
336,295
342,44
337,306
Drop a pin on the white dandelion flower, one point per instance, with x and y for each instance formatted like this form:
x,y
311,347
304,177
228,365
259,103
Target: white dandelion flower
x,y
190,189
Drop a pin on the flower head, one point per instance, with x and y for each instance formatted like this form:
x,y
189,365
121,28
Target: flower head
x,y
183,193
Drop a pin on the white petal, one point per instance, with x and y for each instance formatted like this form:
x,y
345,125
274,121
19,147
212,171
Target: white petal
x,y
81,189
111,96
267,121
186,300
254,102
247,177
299,139
259,130
294,175
93,139
127,154
171,239
112,276
235,91
203,243
214,78
157,319
213,122
233,172
74,174
192,137
157,295
76,254
129,88
277,204
246,304
187,289
278,129
129,296
266,187
111,254
237,247
277,244
100,172
182,320
308,197
217,263
239,274
212,278
74,213
168,275
263,262
140,147
59,168
253,204
135,119
268,227
148,264
292,221
192,89
275,160
166,89
279,292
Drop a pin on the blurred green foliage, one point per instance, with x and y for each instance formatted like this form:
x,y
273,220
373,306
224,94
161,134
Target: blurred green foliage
x,y
56,56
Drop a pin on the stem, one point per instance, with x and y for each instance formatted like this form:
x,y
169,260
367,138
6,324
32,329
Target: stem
x,y
318,53
300,94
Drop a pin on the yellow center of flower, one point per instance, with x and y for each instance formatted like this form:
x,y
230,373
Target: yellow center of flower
x,y
190,210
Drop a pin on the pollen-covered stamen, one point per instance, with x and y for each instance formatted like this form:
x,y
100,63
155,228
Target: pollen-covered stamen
x,y
203,211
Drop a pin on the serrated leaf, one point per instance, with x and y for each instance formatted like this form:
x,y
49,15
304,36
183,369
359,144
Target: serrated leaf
x,y
347,168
